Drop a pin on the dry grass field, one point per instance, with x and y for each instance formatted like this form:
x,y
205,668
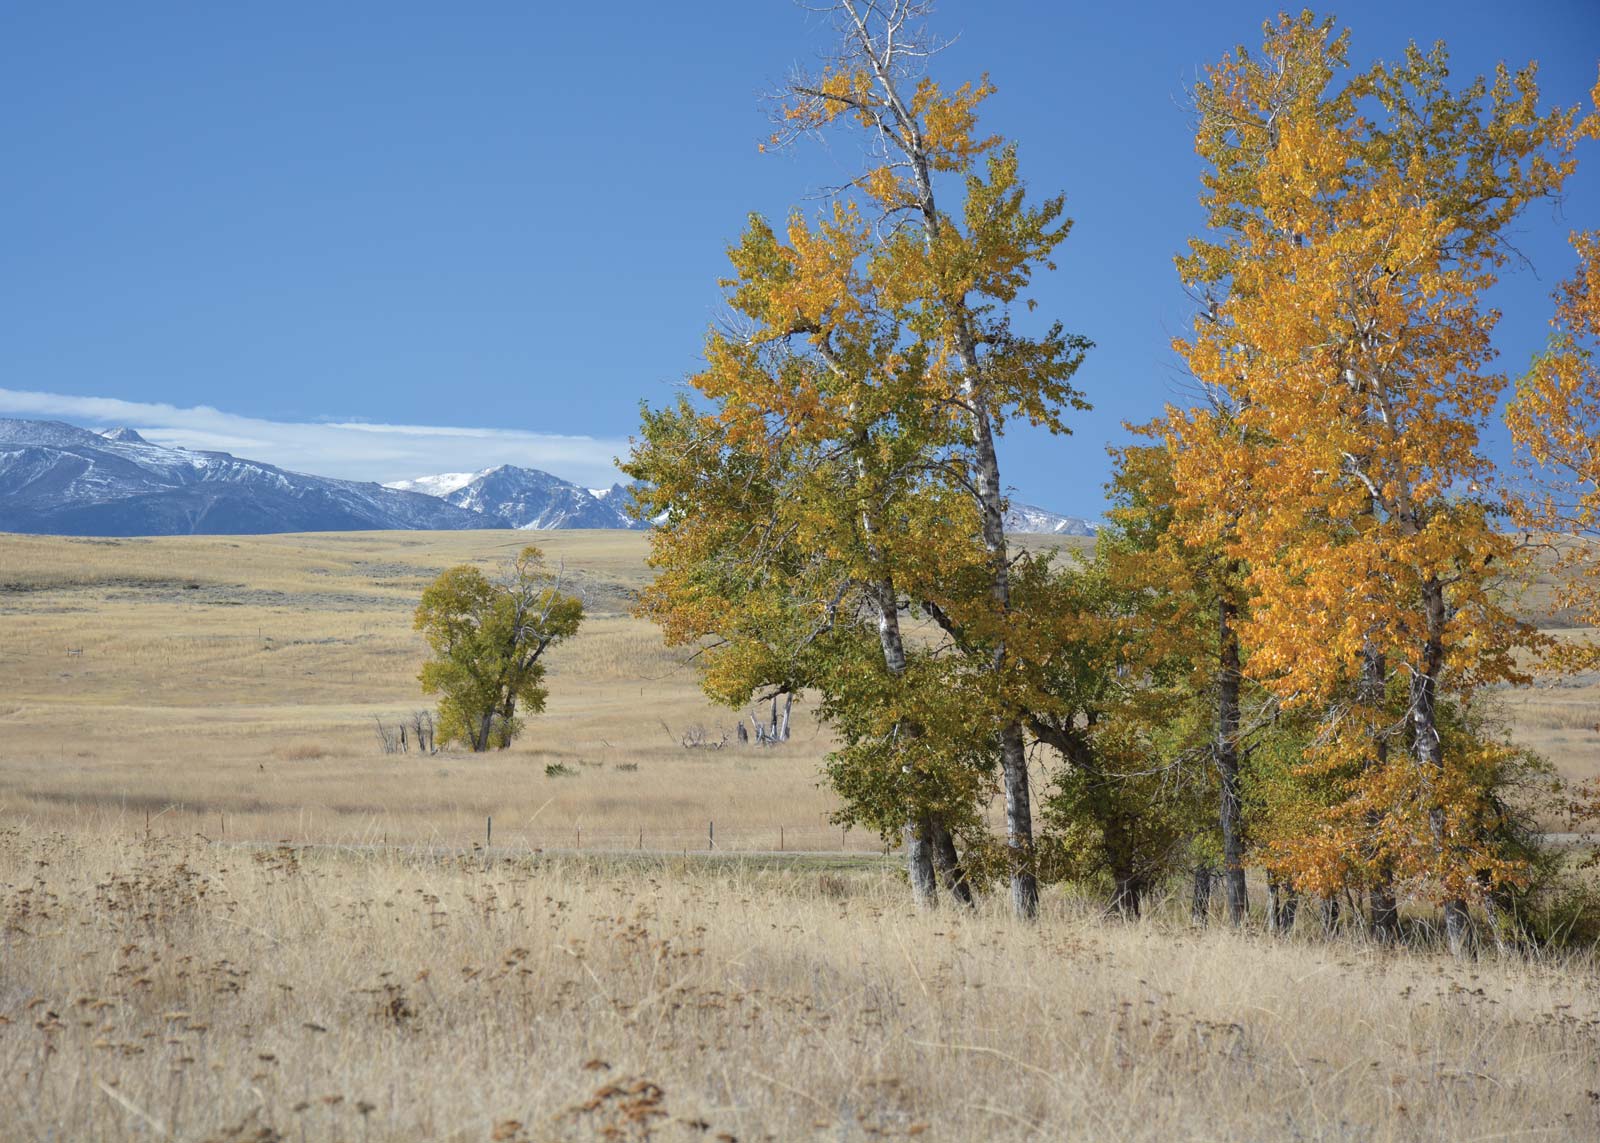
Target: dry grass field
x,y
226,916
230,686
172,989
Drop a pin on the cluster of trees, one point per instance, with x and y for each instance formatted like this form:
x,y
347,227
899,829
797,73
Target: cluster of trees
x,y
1279,650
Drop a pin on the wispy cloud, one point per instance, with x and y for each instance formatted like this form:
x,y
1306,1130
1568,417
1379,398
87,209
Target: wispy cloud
x,y
354,450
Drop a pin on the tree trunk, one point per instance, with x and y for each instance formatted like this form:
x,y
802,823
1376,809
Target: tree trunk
x,y
919,862
1282,904
481,742
783,727
508,711
1330,915
1458,930
1385,925
1200,901
1385,921
1429,748
1127,893
1019,823
948,864
1227,758
918,830
990,496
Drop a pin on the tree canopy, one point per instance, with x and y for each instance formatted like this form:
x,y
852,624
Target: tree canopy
x,y
489,637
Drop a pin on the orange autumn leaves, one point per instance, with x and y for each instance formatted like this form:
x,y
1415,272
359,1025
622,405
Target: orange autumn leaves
x,y
1355,222
1555,421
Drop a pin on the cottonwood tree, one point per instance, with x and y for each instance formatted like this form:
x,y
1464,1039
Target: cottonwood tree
x,y
845,471
791,509
1182,554
489,638
1353,226
954,275
1554,420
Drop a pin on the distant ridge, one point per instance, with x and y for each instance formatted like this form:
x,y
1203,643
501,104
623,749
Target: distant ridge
x,y
533,499
59,479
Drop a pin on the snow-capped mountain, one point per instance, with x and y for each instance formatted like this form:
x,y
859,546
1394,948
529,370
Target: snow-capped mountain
x,y
441,485
528,498
59,479
1027,518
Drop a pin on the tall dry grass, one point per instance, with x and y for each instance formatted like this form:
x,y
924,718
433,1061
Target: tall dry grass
x,y
167,988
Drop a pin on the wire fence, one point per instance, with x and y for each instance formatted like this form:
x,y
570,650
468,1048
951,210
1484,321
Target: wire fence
x,y
709,838
177,819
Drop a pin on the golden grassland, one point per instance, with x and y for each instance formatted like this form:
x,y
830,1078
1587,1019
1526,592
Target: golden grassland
x,y
227,916
230,686
166,988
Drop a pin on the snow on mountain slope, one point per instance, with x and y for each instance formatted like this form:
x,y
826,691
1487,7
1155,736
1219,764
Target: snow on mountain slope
x,y
1039,521
533,499
441,485
60,479
529,498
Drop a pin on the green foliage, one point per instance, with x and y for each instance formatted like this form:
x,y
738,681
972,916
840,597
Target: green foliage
x,y
488,639
1120,707
911,745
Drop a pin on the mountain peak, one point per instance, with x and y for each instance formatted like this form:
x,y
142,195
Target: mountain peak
x,y
1041,521
123,435
528,497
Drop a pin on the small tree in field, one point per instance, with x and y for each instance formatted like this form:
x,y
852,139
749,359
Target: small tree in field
x,y
488,638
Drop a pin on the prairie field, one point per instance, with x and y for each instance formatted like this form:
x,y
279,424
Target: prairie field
x,y
227,915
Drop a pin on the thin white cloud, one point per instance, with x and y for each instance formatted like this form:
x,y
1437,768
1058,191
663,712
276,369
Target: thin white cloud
x,y
353,450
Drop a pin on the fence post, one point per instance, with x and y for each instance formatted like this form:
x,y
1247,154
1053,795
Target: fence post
x,y
711,835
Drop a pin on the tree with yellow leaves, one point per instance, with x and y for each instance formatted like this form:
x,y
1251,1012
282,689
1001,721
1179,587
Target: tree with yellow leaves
x,y
873,363
1554,420
1354,222
955,280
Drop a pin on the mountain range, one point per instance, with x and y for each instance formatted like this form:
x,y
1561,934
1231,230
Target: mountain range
x,y
60,479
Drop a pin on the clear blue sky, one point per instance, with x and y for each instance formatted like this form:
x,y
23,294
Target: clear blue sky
x,y
231,223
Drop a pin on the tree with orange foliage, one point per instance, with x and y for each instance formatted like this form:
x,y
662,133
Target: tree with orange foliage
x,y
1354,222
1554,420
1555,423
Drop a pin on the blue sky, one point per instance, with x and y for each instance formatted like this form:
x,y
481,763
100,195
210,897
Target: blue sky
x,y
377,240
